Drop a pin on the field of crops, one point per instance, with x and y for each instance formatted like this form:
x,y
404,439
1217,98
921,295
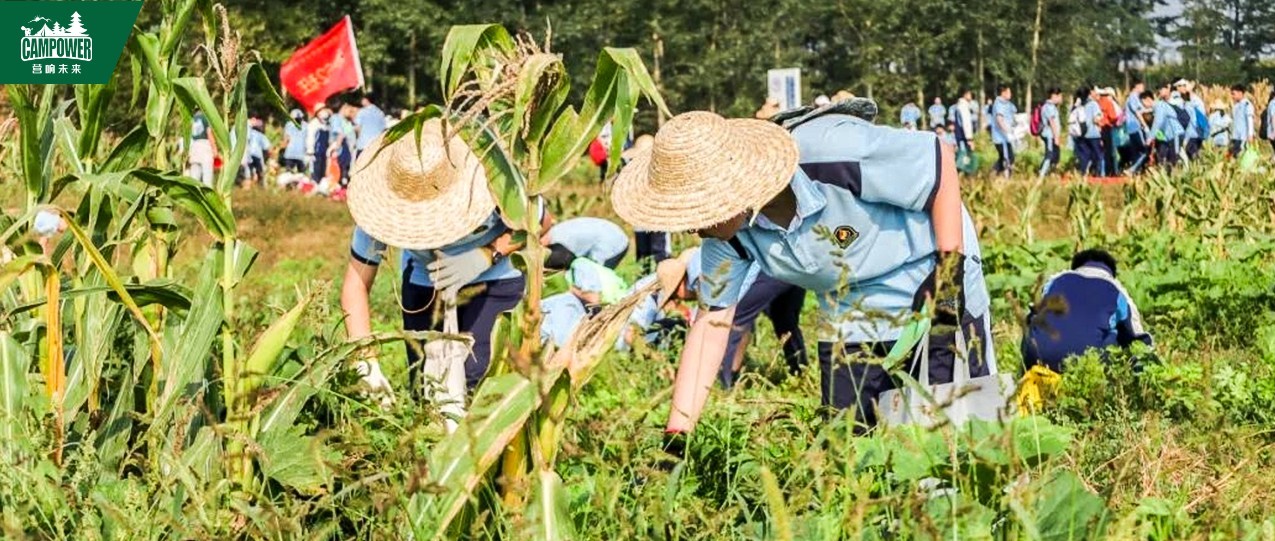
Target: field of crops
x,y
174,365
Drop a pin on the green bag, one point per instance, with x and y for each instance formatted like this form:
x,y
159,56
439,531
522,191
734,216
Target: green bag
x,y
1250,160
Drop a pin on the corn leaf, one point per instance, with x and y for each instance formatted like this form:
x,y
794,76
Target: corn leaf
x,y
542,79
113,280
14,364
296,460
190,344
35,138
233,153
548,515
128,152
459,50
458,464
67,138
193,94
146,45
10,272
95,331
197,199
174,34
93,102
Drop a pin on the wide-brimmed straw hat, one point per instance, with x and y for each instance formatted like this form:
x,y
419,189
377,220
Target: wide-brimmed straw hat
x,y
642,143
670,273
419,197
703,170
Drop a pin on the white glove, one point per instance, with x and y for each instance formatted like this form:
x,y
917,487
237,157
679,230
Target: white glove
x,y
48,224
450,273
377,385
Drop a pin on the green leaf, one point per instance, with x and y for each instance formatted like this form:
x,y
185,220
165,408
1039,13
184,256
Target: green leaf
x,y
199,200
232,161
294,460
35,131
146,45
541,79
10,272
158,107
95,332
1067,511
458,464
265,89
459,49
193,94
190,344
128,152
548,515
93,101
174,33
15,362
67,137
112,278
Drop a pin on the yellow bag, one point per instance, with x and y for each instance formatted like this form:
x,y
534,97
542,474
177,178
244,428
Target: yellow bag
x,y
1038,387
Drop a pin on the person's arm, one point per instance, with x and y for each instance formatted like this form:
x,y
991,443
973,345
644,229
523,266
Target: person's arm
x,y
697,371
946,212
1129,327
359,277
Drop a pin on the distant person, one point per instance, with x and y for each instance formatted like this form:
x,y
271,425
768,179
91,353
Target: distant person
x,y
592,287
1112,120
1079,310
910,116
1051,131
294,135
343,146
937,113
822,100
1220,125
258,151
1243,127
319,143
1003,112
665,313
1198,130
1089,145
1134,152
202,156
1269,123
966,120
1165,130
594,238
369,123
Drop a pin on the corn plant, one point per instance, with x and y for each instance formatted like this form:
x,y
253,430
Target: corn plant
x,y
507,97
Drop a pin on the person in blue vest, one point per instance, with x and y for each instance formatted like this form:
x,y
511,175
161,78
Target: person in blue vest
x,y
665,314
584,236
1002,120
293,157
1081,309
591,287
910,116
1051,131
1269,114
867,217
318,143
937,113
1197,130
1219,125
432,202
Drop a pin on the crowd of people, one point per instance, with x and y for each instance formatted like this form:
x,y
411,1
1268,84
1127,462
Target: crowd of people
x,y
833,199
1109,134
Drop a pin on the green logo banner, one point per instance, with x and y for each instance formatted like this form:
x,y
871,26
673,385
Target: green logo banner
x,y
54,42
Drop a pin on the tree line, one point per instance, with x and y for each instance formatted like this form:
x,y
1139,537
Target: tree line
x,y
713,54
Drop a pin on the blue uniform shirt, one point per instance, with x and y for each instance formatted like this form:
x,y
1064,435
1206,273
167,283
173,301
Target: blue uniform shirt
x,y
369,251
1241,121
936,115
1132,109
371,122
1048,114
866,220
562,314
1164,125
910,115
258,144
1093,112
296,141
1003,110
1082,309
594,238
1270,120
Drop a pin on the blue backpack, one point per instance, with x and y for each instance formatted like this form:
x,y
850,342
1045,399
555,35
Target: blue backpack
x,y
1202,123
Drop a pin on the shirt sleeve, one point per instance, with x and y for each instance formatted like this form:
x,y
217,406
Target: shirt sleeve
x,y
1129,327
365,249
725,275
900,168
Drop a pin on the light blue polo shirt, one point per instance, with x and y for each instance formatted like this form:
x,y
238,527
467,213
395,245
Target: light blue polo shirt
x,y
910,114
936,115
1132,108
369,251
1094,112
1003,110
296,141
562,314
1270,120
865,224
258,144
1048,114
594,238
371,122
1164,126
1241,120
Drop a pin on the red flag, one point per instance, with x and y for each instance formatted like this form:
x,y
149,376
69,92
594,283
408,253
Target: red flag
x,y
325,66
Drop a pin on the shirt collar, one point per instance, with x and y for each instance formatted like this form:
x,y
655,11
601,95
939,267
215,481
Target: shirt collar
x,y
809,202
1098,266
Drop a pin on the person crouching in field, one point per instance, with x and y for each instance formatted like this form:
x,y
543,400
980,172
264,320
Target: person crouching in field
x,y
592,287
594,238
1081,309
664,314
432,202
865,220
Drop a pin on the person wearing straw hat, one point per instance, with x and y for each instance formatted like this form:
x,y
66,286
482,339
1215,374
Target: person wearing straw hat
x,y
863,215
432,202
1219,124
663,313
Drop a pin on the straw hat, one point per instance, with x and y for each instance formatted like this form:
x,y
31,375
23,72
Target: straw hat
x,y
842,95
703,170
642,143
670,273
768,109
419,197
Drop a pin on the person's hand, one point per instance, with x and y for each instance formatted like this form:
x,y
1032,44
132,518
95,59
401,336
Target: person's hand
x,y
377,385
946,287
452,272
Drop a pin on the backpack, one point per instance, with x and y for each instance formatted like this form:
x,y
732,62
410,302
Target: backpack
x,y
1201,123
1036,120
1184,118
1077,124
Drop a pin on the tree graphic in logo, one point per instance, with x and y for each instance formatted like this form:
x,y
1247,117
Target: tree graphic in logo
x,y
70,42
75,29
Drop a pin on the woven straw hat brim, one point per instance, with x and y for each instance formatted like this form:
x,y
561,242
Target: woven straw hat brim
x,y
699,184
430,223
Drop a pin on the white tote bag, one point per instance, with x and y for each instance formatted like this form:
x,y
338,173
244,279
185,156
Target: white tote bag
x,y
965,398
444,370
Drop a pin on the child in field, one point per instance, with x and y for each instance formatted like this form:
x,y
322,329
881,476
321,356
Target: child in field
x,y
592,286
663,314
1081,309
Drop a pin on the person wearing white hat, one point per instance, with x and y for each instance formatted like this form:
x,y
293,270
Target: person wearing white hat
x,y
432,202
866,216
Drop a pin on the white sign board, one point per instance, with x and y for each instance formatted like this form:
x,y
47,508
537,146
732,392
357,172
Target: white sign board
x,y
784,86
